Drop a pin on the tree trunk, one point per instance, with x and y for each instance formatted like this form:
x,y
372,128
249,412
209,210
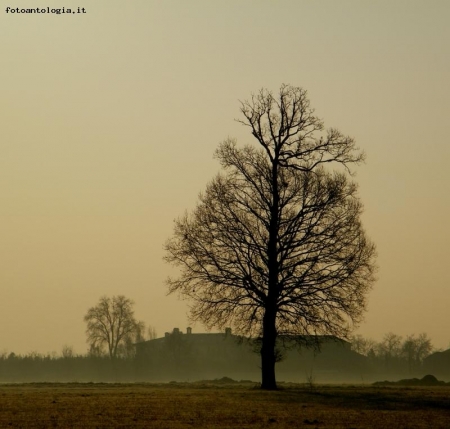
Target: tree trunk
x,y
268,351
269,335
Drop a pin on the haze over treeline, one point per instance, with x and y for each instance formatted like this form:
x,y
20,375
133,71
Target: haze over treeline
x,y
392,358
110,119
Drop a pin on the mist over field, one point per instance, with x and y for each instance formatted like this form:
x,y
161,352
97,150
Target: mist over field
x,y
225,358
109,123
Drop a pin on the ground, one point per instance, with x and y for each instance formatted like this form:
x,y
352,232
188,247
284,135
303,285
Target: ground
x,y
222,405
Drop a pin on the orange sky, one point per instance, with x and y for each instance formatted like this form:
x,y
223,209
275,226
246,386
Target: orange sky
x,y
109,121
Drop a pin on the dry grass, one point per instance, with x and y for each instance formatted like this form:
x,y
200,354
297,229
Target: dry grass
x,y
200,405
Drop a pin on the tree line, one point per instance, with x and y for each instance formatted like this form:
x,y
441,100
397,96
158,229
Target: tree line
x,y
393,356
394,353
35,367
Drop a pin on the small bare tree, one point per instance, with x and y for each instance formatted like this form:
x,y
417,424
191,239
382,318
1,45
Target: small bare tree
x,y
275,245
67,352
111,323
362,345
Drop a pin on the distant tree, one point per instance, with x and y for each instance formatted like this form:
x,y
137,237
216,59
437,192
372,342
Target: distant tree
x,y
409,348
127,348
415,349
394,353
67,352
424,347
111,325
96,351
389,349
361,345
276,246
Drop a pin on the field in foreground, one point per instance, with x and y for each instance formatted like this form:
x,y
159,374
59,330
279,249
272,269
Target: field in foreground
x,y
204,405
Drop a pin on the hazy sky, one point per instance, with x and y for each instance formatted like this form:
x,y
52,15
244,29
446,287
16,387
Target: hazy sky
x,y
109,121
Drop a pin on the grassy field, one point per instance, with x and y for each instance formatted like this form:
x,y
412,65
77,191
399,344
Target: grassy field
x,y
205,405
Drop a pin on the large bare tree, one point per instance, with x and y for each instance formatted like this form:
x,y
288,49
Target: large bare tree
x,y
111,323
275,245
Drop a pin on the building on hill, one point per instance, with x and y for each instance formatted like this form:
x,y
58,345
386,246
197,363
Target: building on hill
x,y
189,356
200,356
324,358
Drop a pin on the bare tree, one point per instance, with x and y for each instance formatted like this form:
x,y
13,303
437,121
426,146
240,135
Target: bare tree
x,y
408,351
423,347
415,349
362,345
67,352
275,246
390,349
111,323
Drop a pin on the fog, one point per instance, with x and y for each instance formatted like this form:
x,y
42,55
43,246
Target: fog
x,y
224,358
109,121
